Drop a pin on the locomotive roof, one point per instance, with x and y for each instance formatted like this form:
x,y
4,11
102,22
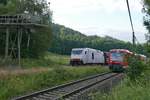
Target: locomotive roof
x,y
87,48
141,55
121,50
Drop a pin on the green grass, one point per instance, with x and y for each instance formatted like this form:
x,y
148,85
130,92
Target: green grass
x,y
49,60
127,90
20,84
13,85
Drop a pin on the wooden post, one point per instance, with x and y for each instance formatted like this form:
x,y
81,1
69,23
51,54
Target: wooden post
x,y
28,43
7,43
19,46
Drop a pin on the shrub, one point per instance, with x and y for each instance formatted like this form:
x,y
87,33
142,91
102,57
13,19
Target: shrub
x,y
136,69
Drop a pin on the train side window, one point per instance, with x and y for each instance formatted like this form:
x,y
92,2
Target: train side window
x,y
92,55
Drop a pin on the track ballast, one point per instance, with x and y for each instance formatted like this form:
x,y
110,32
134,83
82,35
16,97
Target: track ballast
x,y
68,90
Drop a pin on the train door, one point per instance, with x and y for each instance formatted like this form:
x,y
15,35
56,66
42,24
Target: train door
x,y
86,54
93,57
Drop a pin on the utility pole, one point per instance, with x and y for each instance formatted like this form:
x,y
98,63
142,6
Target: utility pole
x,y
133,34
133,38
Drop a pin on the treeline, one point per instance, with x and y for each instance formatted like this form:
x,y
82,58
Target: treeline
x,y
64,39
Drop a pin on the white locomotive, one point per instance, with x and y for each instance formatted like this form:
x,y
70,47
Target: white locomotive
x,y
81,56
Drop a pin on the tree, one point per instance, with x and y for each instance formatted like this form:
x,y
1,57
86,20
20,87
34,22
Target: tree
x,y
146,10
64,39
4,2
40,38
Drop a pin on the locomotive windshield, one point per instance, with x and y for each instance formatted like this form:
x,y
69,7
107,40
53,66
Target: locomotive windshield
x,y
117,56
76,52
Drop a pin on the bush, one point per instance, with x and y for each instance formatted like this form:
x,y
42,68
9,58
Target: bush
x,y
136,69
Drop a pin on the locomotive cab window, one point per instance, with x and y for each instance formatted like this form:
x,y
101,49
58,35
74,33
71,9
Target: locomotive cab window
x,y
117,56
76,52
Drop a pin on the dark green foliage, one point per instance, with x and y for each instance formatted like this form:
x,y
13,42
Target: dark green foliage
x,y
64,39
4,2
146,10
136,68
40,37
34,7
40,42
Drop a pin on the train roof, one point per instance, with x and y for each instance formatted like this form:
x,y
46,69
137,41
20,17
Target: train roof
x,y
86,49
121,50
141,55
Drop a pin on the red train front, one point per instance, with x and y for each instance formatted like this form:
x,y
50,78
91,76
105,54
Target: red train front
x,y
118,59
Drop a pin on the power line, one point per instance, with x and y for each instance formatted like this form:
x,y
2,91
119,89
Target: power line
x,y
133,34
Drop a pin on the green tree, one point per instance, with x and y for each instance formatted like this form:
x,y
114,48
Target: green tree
x,y
40,38
136,68
146,10
4,2
64,39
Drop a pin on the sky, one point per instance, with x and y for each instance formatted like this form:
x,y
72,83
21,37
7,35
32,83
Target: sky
x,y
100,17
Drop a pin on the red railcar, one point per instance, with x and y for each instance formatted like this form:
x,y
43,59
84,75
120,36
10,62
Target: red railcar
x,y
118,59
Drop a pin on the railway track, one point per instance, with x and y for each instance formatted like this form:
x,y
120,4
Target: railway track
x,y
67,91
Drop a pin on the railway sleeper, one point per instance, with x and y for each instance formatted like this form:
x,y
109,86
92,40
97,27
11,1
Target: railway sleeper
x,y
48,95
59,92
36,98
44,97
104,86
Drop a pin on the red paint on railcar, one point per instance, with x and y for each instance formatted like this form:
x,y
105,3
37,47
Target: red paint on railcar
x,y
119,57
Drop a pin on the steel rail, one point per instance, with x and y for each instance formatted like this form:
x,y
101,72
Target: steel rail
x,y
66,90
85,87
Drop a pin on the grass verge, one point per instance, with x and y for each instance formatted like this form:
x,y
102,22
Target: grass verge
x,y
126,91
49,60
14,85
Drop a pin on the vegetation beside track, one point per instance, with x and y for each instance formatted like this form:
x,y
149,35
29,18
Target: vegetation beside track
x,y
136,85
50,60
58,72
127,91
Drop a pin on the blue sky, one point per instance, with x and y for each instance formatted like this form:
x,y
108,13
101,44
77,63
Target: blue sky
x,y
100,17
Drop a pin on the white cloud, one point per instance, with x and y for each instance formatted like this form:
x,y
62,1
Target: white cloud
x,y
101,17
107,5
